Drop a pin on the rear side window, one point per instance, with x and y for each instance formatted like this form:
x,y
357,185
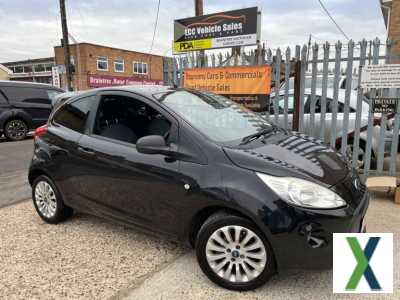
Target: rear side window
x,y
2,99
27,95
74,115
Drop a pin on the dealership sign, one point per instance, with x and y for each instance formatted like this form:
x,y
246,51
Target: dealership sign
x,y
55,76
384,105
380,76
247,85
218,30
107,80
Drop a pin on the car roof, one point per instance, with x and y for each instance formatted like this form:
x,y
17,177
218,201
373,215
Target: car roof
x,y
28,84
329,94
145,90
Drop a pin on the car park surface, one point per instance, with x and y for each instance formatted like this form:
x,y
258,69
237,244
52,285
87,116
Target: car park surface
x,y
14,162
88,257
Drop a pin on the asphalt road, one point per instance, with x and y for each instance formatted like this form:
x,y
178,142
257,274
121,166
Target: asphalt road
x,y
14,162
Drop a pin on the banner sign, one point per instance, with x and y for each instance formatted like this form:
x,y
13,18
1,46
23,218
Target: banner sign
x,y
384,105
247,85
380,76
55,76
218,30
108,80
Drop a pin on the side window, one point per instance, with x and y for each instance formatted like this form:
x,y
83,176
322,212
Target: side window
x,y
281,105
27,95
307,103
317,104
74,115
2,99
329,108
343,83
340,107
127,119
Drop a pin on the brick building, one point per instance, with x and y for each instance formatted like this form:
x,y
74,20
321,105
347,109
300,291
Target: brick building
x,y
99,66
391,16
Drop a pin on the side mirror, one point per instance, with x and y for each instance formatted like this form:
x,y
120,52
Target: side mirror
x,y
153,144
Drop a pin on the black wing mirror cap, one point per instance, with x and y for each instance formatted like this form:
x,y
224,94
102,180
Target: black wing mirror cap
x,y
152,144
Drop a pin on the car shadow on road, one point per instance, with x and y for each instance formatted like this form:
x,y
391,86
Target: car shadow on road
x,y
4,140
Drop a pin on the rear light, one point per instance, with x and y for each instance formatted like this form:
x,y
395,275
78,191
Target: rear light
x,y
40,131
377,119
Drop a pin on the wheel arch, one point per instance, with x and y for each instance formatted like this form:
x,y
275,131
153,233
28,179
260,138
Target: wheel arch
x,y
35,173
16,115
202,215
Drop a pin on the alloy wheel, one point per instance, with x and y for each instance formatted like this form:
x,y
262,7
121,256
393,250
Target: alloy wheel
x,y
236,254
45,199
16,129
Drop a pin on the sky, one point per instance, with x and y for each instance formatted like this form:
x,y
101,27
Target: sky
x,y
31,28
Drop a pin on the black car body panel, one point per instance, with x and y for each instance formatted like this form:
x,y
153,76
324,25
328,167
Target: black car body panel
x,y
281,152
169,194
31,102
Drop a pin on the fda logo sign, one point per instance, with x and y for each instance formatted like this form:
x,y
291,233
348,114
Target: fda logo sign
x,y
363,263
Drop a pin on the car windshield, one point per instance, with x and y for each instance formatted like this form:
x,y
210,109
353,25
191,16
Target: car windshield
x,y
217,117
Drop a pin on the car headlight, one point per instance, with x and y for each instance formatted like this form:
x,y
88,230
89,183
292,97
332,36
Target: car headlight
x,y
302,192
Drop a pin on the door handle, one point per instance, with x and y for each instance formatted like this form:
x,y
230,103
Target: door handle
x,y
86,150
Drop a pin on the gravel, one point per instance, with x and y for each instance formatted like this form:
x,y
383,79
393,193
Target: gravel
x,y
83,258
88,258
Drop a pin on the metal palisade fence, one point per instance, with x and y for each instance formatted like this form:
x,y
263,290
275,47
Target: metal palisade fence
x,y
324,81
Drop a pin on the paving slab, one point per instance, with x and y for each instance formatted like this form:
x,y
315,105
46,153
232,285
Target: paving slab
x,y
14,187
83,258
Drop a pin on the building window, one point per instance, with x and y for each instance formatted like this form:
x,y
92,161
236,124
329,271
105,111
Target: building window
x,y
102,63
28,69
139,67
18,69
40,68
49,67
119,65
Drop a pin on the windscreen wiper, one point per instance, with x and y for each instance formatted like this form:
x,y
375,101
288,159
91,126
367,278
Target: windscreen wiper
x,y
258,134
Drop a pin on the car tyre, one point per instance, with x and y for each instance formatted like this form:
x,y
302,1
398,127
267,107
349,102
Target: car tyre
x,y
15,130
48,201
233,253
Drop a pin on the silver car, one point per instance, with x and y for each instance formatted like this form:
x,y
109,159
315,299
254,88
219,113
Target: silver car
x,y
328,119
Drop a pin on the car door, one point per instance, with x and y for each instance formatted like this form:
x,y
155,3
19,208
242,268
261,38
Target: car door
x,y
4,106
120,183
66,126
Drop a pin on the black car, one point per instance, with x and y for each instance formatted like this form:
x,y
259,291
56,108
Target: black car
x,y
24,106
252,198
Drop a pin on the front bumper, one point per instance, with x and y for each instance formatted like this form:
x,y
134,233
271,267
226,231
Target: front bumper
x,y
309,244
